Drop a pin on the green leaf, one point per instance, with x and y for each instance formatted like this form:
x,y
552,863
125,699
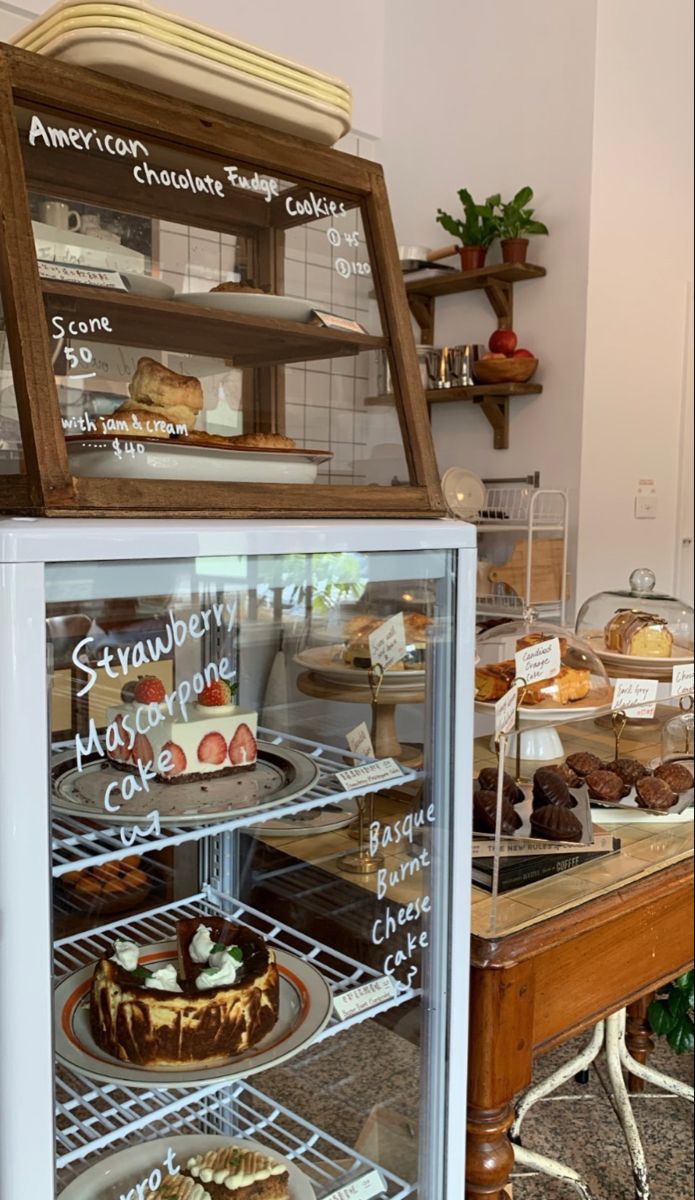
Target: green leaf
x,y
684,983
677,1003
660,1019
455,228
141,973
218,948
236,953
523,197
680,1038
536,227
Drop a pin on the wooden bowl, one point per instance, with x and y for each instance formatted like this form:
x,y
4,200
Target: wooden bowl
x,y
504,370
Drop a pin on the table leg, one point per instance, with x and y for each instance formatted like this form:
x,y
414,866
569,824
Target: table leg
x,y
500,1066
638,1039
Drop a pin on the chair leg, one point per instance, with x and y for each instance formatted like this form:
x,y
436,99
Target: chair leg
x,y
615,1032
556,1170
558,1078
649,1074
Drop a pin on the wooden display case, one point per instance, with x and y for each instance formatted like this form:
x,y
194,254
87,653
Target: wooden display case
x,y
84,139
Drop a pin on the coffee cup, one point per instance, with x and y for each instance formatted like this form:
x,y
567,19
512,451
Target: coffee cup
x,y
60,215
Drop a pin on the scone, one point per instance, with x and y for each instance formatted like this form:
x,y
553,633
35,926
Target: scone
x,y
263,441
157,390
240,286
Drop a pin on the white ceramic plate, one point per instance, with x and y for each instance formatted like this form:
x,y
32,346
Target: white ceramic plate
x,y
253,304
629,665
145,285
113,1175
157,62
281,775
306,1003
596,702
464,494
197,464
306,824
328,662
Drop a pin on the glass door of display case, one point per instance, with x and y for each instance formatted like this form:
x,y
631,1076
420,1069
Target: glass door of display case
x,y
258,902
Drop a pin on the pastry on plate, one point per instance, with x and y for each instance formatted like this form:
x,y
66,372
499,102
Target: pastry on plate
x,y
532,639
487,779
160,392
629,770
550,788
219,999
263,441
655,793
555,824
583,763
642,634
232,1173
493,680
678,777
485,814
178,1187
357,652
241,285
606,786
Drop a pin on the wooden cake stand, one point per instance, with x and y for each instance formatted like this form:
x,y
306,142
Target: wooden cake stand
x,y
383,732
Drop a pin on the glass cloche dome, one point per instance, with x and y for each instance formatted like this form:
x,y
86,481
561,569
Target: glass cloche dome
x,y
638,630
581,686
677,734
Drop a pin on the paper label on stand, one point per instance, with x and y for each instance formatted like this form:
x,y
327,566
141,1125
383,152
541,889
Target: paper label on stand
x,y
331,321
376,772
540,661
367,996
360,742
505,711
387,643
682,679
91,276
363,1188
636,697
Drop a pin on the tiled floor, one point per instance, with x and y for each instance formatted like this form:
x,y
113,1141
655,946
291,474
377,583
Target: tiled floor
x,y
580,1128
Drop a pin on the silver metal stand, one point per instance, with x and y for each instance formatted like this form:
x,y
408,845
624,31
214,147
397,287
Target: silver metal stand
x,y
611,1034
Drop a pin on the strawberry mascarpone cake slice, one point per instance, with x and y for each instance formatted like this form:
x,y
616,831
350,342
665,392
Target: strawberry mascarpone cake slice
x,y
217,738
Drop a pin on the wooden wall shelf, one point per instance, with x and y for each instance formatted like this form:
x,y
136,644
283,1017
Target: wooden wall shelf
x,y
492,398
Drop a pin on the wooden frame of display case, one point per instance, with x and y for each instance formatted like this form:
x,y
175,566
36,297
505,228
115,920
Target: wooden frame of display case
x,y
47,487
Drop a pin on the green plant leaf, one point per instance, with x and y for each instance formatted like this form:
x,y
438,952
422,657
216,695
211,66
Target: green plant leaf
x,y
659,1017
677,1003
523,197
685,983
455,228
680,1037
536,227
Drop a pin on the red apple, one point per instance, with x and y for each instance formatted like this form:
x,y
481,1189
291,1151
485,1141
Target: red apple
x,y
521,353
503,341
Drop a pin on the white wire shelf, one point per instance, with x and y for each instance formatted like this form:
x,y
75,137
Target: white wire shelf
x,y
78,843
512,606
507,509
242,1111
91,1116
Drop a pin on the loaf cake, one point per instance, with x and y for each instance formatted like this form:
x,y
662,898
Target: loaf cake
x,y
641,634
220,999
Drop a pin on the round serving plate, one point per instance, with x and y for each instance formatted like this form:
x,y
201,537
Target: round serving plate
x,y
116,1175
145,285
464,494
305,1007
169,458
629,666
280,775
327,661
253,304
597,701
329,819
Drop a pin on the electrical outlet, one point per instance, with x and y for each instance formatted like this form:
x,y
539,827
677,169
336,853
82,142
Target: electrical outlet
x,y
645,507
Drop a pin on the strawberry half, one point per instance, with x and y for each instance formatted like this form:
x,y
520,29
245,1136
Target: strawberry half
x,y
215,694
149,690
142,749
242,748
120,753
212,749
178,759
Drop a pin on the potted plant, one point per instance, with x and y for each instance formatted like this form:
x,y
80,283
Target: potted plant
x,y
476,232
515,222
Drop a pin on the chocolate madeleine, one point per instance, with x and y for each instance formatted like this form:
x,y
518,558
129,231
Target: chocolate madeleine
x,y
655,793
629,770
485,814
488,782
567,775
556,824
550,788
606,786
678,777
584,763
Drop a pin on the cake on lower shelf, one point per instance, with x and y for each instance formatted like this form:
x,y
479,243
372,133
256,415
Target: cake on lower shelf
x,y
216,737
220,999
242,1174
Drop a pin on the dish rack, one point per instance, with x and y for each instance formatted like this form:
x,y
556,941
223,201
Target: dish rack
x,y
522,551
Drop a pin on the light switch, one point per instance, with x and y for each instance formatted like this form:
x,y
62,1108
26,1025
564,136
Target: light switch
x,y
645,507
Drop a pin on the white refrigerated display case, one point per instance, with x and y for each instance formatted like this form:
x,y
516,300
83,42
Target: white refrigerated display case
x,y
357,1089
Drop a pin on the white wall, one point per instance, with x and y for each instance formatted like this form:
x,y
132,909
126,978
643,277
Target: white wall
x,y
493,97
640,263
346,41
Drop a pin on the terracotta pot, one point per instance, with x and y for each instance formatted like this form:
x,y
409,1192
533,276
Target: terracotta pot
x,y
472,257
514,250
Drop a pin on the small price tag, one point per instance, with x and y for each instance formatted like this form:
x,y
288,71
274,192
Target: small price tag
x,y
331,321
505,711
90,276
387,643
367,996
682,679
363,1188
360,742
637,697
376,772
541,661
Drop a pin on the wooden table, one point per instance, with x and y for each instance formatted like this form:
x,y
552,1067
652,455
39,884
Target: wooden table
x,y
552,959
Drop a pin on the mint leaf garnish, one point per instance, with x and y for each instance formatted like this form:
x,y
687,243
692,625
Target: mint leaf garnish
x,y
236,953
141,973
218,948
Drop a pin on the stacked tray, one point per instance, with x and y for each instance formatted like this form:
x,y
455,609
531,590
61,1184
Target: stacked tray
x,y
133,41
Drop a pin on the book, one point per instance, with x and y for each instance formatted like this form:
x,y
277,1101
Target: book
x,y
521,869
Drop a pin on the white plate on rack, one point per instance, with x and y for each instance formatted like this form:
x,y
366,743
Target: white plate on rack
x,y
281,775
305,824
253,304
327,661
114,1174
306,1003
145,285
464,493
188,462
